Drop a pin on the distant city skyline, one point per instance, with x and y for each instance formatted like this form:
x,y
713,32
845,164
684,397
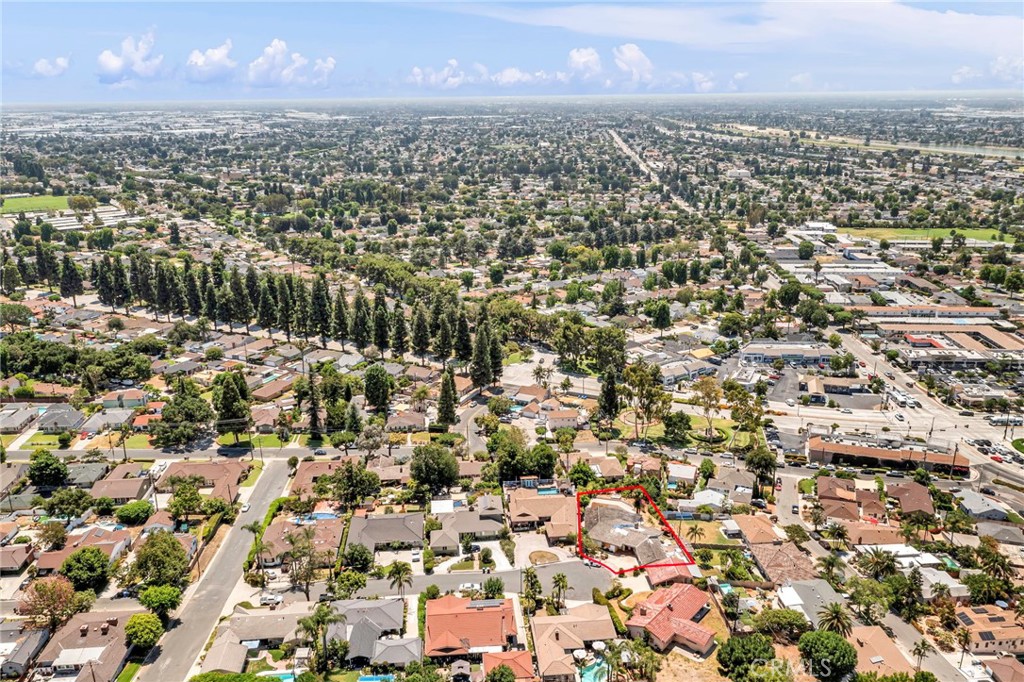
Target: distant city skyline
x,y
150,51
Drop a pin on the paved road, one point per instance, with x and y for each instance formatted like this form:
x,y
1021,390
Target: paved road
x,y
183,644
582,581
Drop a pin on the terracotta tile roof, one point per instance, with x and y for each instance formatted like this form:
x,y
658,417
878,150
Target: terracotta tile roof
x,y
783,562
521,663
669,613
453,626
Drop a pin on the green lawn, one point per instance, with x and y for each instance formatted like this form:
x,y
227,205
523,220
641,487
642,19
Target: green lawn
x,y
464,566
513,359
806,486
1018,444
8,438
45,440
40,203
712,532
269,440
344,676
254,473
920,233
138,441
129,671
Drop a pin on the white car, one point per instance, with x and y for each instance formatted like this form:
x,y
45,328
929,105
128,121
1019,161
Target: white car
x,y
470,587
269,598
415,555
791,402
246,507
899,416
846,410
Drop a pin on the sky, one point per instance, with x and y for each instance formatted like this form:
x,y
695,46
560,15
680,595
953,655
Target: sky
x,y
91,52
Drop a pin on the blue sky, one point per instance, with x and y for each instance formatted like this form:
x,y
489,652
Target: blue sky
x,y
155,51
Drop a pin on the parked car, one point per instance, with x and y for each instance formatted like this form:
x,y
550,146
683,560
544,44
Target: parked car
x,y
319,452
790,402
796,509
899,416
966,413
759,503
988,491
846,410
415,555
270,599
469,587
246,507
896,474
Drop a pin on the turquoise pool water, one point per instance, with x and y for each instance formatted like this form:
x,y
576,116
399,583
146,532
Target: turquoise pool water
x,y
725,588
595,672
377,678
284,677
547,491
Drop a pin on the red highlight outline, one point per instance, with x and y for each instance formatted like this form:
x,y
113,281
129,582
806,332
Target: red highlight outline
x,y
650,500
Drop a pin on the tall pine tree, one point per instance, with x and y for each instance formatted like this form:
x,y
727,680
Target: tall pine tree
x,y
447,401
266,313
320,310
241,303
362,323
420,331
284,307
497,353
381,321
339,320
463,340
70,280
399,333
315,422
480,367
443,341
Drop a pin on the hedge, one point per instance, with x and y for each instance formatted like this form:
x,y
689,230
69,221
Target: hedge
x,y
599,598
275,506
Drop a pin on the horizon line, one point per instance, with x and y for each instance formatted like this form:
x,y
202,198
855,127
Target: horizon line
x,y
1012,94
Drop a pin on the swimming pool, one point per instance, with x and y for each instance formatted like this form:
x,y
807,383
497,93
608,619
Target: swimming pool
x,y
377,678
284,676
724,588
547,491
595,672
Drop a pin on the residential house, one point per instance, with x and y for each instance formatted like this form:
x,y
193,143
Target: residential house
x,y
221,478
373,629
122,490
405,530
759,530
308,473
1006,669
736,484
555,638
931,578
107,419
992,629
713,499
682,473
19,646
129,398
326,539
16,417
59,418
912,497
877,652
809,597
520,662
260,629
407,421
91,647
16,558
670,616
113,543
86,475
978,506
782,563
457,626
477,524
529,509
1003,533
563,419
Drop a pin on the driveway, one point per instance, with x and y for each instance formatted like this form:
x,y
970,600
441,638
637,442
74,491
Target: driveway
x,y
526,543
184,642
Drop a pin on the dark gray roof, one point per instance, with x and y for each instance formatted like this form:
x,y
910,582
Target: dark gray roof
x,y
399,652
371,531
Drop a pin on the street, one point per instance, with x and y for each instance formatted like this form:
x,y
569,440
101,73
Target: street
x,y
198,617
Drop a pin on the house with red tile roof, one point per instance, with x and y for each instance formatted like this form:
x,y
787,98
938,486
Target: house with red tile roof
x,y
456,626
520,662
670,615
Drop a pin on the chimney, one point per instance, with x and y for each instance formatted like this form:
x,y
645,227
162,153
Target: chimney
x,y
112,620
105,628
557,635
670,606
84,630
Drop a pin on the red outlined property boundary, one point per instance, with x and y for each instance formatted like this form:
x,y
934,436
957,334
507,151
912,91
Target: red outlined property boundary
x,y
579,531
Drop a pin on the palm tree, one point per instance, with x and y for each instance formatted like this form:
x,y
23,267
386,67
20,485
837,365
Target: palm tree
x,y
259,548
829,564
400,575
878,563
560,586
940,592
835,618
695,533
539,373
818,518
613,660
920,650
316,625
963,638
838,533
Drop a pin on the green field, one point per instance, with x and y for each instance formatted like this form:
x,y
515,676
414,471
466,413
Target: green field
x,y
40,203
920,233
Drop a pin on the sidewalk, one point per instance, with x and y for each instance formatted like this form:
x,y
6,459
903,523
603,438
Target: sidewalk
x,y
22,439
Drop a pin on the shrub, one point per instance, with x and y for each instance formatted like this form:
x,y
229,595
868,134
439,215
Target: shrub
x,y
508,548
134,513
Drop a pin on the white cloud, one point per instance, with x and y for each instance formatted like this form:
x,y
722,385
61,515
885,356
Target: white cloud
x,y
965,74
584,61
449,77
703,82
134,61
46,68
276,66
1008,69
802,80
768,26
210,65
322,70
740,76
631,60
